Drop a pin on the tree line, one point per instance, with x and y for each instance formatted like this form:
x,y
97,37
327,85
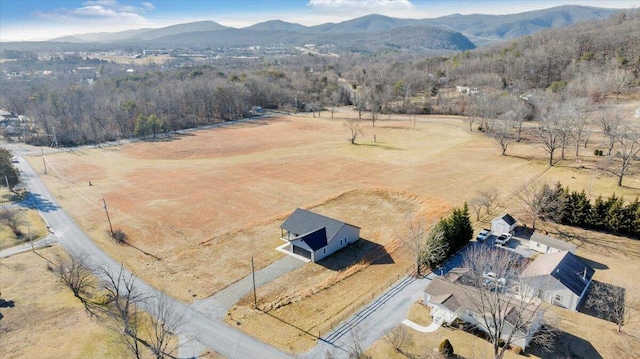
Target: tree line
x,y
560,204
584,62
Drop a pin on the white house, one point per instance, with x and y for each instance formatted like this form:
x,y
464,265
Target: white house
x,y
450,299
314,236
504,224
559,278
545,244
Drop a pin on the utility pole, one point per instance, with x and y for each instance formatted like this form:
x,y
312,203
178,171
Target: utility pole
x,y
44,162
104,205
253,275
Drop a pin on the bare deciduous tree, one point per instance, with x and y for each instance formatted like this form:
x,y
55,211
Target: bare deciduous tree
x,y
541,202
398,338
551,130
355,128
121,312
501,133
507,311
487,197
426,245
162,325
75,272
13,218
580,124
628,141
610,122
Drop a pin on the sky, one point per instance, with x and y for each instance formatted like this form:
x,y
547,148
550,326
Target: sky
x,y
30,20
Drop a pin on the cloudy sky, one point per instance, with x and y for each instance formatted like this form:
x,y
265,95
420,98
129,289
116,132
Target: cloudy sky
x,y
46,19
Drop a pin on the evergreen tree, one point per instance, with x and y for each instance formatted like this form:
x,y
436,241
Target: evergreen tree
x,y
7,169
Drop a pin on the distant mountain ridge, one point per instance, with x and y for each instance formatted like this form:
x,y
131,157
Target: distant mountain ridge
x,y
457,32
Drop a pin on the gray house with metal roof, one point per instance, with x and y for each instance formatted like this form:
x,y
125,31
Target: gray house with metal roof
x,y
559,278
314,236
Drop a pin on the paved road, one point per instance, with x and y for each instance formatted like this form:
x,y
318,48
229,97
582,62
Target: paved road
x,y
373,321
47,241
213,334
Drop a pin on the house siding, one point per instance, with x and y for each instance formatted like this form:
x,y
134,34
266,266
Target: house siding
x,y
346,235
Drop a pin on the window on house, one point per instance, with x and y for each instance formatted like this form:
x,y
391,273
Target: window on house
x,y
558,298
540,294
341,242
324,250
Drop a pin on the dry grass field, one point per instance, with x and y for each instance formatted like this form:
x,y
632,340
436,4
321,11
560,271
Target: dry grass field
x,y
197,206
40,317
190,199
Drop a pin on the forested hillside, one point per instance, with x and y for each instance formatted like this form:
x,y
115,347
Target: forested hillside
x,y
585,62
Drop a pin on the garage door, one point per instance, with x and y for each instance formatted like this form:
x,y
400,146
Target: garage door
x,y
301,251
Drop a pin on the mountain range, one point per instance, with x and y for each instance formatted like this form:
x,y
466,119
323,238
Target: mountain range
x,y
452,32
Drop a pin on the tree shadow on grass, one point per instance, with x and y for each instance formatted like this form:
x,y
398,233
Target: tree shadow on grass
x,y
567,345
602,301
362,250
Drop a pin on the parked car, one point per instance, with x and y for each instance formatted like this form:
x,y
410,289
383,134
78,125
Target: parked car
x,y
490,278
484,234
503,239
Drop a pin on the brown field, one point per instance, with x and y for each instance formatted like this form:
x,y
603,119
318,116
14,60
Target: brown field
x,y
196,207
43,319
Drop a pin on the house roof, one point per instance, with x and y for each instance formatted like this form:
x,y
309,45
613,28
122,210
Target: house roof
x,y
302,221
315,240
565,267
552,242
452,296
507,219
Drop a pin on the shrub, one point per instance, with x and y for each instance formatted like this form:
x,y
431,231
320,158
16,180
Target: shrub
x,y
119,236
516,349
446,348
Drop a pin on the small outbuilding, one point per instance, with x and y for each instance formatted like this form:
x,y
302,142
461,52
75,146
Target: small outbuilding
x,y
545,244
314,236
504,224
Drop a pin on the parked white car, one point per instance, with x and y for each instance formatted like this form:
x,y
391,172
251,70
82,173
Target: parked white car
x,y
484,234
503,239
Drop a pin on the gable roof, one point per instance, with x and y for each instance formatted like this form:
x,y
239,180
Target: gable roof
x,y
552,242
302,221
507,219
565,267
315,240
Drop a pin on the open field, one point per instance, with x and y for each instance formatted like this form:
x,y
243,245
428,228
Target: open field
x,y
197,206
183,198
43,319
